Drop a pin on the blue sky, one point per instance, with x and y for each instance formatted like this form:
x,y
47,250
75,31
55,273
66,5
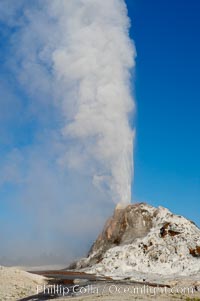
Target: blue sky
x,y
167,155
167,164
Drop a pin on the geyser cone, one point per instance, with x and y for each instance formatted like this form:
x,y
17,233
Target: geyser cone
x,y
145,239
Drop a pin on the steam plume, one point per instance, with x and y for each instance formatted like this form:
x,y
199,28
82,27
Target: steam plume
x,y
93,62
65,88
83,47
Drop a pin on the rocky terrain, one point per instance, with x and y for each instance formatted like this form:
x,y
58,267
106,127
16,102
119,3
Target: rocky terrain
x,y
16,284
139,246
143,242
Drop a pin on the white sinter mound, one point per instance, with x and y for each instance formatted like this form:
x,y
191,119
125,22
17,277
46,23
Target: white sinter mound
x,y
16,284
170,248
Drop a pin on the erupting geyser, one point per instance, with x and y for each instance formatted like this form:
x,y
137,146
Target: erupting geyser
x,y
82,50
93,62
